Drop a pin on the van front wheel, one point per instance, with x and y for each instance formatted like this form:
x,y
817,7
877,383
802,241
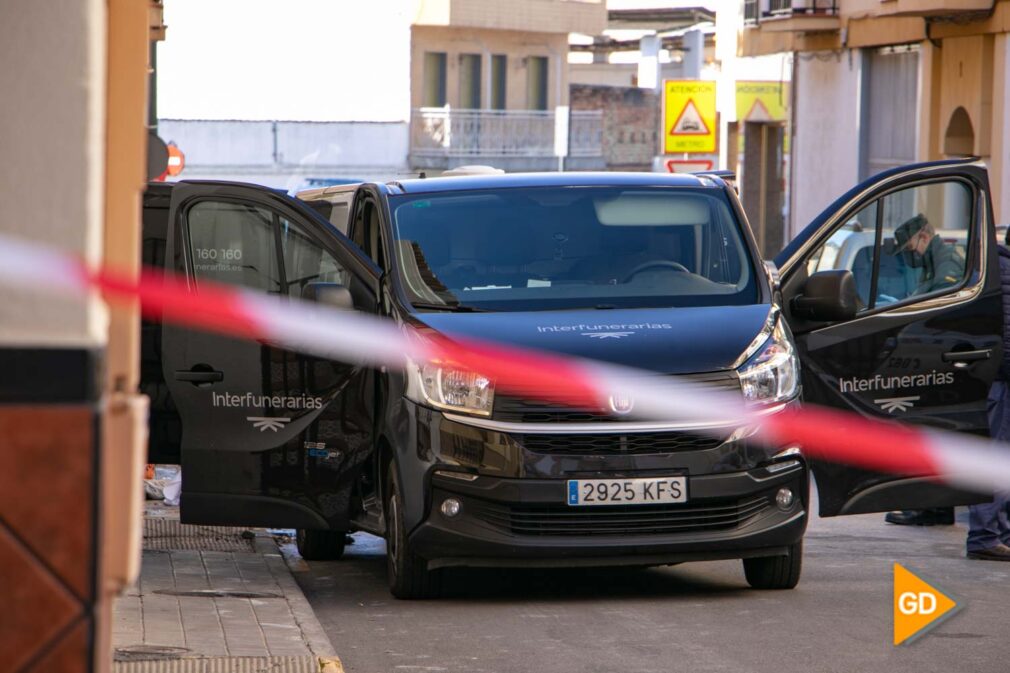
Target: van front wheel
x,y
409,576
775,572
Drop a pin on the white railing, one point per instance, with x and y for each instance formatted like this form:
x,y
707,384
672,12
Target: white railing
x,y
445,132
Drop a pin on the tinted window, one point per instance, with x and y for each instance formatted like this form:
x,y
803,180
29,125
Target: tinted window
x,y
305,261
365,231
234,243
920,248
572,247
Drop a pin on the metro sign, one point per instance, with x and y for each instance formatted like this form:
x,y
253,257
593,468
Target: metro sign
x,y
689,117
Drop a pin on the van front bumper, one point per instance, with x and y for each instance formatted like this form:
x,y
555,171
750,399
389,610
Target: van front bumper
x,y
526,522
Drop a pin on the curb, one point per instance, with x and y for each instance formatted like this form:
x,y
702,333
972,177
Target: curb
x,y
315,638
233,665
167,534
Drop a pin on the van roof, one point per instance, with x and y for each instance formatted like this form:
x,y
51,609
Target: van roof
x,y
510,180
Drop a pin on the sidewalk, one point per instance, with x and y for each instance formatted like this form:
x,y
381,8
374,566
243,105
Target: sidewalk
x,y
215,599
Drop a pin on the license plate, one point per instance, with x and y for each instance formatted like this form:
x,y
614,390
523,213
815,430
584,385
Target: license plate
x,y
642,491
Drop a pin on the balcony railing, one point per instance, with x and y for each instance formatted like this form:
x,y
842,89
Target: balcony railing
x,y
786,15
777,7
444,132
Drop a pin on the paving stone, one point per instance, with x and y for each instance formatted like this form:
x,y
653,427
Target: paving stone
x,y
154,614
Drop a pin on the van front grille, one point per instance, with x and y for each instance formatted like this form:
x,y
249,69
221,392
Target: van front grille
x,y
519,410
563,520
618,444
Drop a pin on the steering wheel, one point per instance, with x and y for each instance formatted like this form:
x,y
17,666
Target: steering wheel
x,y
659,264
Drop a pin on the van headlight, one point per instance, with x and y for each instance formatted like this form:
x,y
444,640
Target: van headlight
x,y
450,388
773,373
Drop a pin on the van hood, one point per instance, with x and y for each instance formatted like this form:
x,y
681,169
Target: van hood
x,y
668,341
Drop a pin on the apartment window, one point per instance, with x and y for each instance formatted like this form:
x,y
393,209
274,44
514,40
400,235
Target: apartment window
x,y
434,79
469,81
536,82
889,100
499,74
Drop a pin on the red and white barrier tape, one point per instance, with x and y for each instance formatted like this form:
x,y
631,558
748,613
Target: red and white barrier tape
x,y
349,336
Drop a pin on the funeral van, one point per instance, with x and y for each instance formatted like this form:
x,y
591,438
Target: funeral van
x,y
656,272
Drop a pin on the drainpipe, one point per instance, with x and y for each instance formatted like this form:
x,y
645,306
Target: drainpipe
x,y
273,133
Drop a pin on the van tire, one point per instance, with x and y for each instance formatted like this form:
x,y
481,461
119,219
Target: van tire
x,y
409,577
320,545
775,572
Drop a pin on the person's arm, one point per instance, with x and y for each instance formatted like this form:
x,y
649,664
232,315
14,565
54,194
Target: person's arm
x,y
948,273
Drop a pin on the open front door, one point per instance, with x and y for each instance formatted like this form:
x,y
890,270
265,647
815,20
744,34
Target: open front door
x,y
925,343
269,437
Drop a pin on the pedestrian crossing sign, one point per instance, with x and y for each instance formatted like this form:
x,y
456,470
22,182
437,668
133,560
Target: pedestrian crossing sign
x,y
689,116
761,101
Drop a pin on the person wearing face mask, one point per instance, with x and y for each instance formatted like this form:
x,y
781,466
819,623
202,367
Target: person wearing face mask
x,y
942,266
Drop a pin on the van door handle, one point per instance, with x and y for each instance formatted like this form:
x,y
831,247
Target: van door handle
x,y
962,358
199,376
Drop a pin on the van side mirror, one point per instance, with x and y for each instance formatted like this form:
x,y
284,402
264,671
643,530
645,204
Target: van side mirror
x,y
329,294
828,296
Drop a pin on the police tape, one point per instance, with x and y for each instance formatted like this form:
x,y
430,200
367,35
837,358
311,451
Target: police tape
x,y
349,336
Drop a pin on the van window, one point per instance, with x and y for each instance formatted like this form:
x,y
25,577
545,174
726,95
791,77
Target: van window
x,y
305,261
234,243
365,231
920,248
572,247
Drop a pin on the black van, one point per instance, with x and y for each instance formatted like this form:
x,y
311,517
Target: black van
x,y
657,272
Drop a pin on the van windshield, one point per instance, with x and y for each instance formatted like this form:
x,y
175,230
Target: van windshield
x,y
549,248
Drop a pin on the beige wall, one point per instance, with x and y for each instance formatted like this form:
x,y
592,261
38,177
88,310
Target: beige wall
x,y
124,438
825,146
999,174
548,16
52,123
964,63
966,81
867,23
515,44
970,72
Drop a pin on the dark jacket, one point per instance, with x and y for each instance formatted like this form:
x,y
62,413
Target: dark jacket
x,y
1004,276
943,267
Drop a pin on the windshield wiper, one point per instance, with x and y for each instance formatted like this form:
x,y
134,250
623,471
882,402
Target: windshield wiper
x,y
458,308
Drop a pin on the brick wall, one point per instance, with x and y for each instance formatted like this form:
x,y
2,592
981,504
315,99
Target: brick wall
x,y
630,123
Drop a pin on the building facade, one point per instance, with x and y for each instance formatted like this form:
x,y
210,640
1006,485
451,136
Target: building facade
x,y
880,83
487,81
459,82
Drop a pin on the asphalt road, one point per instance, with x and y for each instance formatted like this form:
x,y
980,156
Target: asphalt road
x,y
691,617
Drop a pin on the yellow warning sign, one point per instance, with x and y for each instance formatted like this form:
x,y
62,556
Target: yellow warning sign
x,y
689,118
918,606
762,101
